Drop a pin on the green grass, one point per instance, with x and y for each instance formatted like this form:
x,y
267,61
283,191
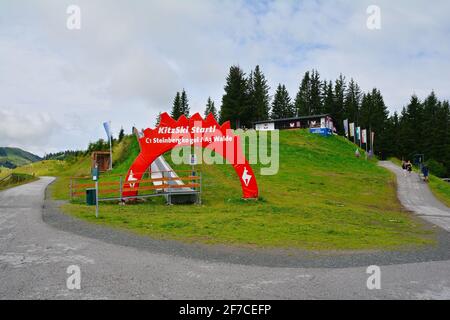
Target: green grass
x,y
5,172
43,168
16,179
322,198
440,189
123,156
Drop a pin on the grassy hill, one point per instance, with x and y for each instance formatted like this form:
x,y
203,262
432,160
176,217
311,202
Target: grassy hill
x,y
15,157
322,198
14,180
441,189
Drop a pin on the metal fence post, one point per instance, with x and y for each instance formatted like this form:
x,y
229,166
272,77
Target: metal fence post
x,y
96,198
200,194
169,196
71,189
121,189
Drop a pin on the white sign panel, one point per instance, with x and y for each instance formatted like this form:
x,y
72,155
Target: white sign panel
x,y
194,161
267,126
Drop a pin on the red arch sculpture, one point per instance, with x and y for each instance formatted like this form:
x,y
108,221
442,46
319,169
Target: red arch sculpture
x,y
197,131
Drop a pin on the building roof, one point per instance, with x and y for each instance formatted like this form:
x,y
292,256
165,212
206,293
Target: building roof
x,y
294,119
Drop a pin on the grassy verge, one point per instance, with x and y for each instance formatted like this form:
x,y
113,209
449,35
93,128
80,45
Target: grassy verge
x,y
440,189
15,179
322,198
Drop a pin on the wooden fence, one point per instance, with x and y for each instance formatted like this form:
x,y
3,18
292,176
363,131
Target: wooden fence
x,y
112,187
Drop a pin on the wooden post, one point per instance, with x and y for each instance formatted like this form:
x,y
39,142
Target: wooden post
x,y
71,189
366,146
200,194
121,190
96,199
169,193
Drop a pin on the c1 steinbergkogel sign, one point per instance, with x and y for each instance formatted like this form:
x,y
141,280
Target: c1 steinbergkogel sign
x,y
196,131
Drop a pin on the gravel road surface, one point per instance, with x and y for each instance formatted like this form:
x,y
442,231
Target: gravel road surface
x,y
35,253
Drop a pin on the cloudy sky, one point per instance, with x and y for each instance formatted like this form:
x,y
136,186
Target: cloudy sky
x,y
129,58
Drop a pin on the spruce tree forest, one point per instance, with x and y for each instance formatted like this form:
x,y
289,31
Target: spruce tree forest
x,y
422,127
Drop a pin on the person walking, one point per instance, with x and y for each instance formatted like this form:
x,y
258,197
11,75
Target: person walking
x,y
425,173
409,167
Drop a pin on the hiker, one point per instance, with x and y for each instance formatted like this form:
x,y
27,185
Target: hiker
x,y
409,167
357,154
425,173
404,168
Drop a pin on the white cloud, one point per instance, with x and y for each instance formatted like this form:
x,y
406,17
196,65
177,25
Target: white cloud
x,y
21,129
129,58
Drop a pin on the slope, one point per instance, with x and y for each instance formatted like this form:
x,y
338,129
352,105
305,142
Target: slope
x,y
15,157
322,198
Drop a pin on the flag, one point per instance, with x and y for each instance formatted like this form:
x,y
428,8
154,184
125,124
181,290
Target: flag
x,y
352,129
364,136
358,133
107,126
346,127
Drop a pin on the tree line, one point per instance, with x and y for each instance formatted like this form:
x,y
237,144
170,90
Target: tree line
x,y
421,127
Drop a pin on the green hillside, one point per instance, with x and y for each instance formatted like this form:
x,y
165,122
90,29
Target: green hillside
x,y
15,157
14,180
441,189
322,198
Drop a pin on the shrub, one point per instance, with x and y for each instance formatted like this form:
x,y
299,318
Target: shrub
x,y
436,168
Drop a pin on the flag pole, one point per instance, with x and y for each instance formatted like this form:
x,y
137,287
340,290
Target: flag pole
x,y
110,148
365,140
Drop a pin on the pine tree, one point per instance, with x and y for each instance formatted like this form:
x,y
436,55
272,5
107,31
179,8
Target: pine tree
x,y
236,99
259,95
391,134
210,108
303,96
248,114
373,117
425,129
352,102
315,99
158,120
328,97
282,106
444,128
176,107
337,112
184,104
411,128
121,134
435,121
309,97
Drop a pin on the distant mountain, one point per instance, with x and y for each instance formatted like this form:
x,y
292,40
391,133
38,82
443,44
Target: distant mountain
x,y
15,157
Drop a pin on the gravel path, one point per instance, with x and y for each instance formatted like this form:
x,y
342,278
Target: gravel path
x,y
415,195
35,255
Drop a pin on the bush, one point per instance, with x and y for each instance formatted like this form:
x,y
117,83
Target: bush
x,y
436,168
